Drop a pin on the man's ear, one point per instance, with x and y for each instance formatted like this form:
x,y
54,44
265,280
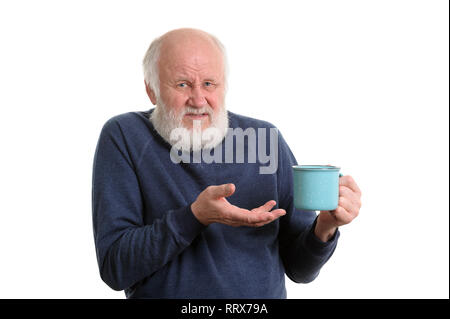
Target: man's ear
x,y
150,93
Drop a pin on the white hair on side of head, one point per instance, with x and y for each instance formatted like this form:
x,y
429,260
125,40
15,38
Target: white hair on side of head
x,y
151,58
225,59
150,66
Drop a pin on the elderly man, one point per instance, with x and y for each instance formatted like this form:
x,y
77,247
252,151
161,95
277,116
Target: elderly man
x,y
187,228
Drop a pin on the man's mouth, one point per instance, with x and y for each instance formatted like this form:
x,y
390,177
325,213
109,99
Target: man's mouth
x,y
193,116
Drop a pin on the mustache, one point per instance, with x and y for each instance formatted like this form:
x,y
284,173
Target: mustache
x,y
193,110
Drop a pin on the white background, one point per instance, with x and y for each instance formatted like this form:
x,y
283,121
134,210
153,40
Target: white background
x,y
359,84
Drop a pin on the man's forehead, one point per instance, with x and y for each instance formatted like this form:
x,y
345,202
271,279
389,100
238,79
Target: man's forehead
x,y
194,54
187,63
187,72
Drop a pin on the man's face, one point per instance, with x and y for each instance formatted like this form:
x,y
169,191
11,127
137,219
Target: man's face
x,y
191,77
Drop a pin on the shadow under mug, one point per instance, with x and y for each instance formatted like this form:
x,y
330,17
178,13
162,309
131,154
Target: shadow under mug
x,y
316,187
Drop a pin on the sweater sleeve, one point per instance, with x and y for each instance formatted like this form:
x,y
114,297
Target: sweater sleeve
x,y
303,254
127,249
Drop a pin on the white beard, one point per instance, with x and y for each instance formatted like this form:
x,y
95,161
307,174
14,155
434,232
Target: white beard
x,y
169,125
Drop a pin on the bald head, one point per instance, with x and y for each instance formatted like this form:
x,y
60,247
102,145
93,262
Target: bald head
x,y
189,38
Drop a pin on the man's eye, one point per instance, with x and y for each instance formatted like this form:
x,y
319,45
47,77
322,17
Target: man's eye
x,y
207,83
182,85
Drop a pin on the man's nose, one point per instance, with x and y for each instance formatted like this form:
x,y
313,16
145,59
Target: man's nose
x,y
197,97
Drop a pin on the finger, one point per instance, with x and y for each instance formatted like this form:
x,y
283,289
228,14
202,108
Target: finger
x,y
225,190
348,181
342,216
346,192
266,207
266,217
277,213
270,218
241,217
349,206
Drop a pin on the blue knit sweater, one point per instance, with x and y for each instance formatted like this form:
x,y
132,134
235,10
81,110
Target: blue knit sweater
x,y
149,243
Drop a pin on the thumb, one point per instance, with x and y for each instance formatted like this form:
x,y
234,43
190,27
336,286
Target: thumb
x,y
223,190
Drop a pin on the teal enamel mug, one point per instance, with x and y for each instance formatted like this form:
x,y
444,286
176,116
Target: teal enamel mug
x,y
316,187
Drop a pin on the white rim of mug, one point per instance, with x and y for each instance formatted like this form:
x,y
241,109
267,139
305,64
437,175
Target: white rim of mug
x,y
315,168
